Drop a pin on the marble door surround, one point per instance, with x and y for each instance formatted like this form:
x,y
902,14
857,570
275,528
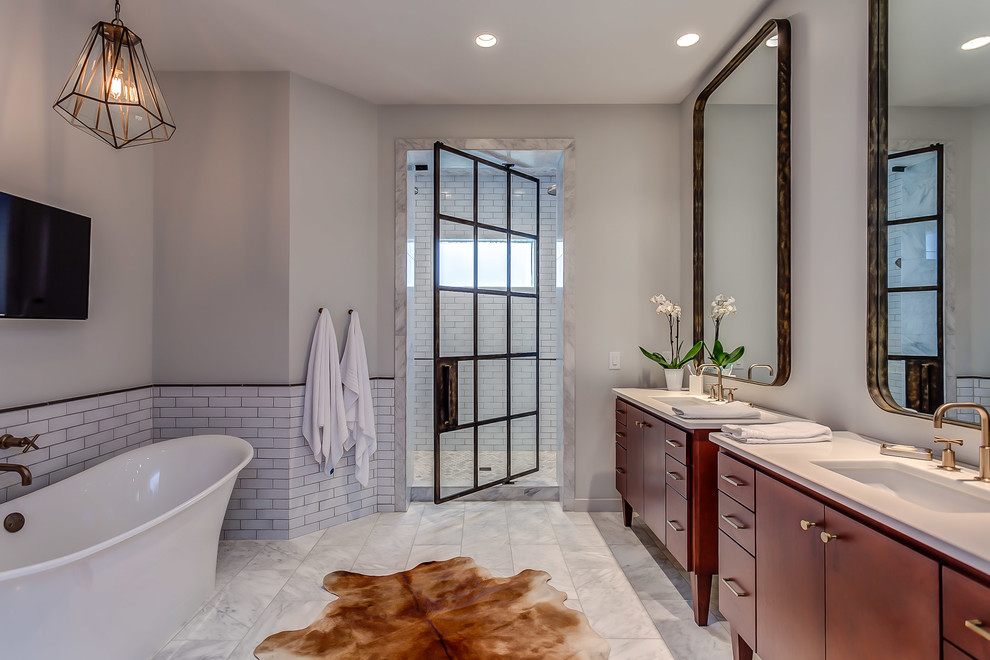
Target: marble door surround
x,y
402,147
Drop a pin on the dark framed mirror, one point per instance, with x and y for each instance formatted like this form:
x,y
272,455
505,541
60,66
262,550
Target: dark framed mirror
x,y
928,176
742,208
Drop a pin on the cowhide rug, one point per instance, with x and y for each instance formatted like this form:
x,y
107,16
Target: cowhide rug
x,y
443,610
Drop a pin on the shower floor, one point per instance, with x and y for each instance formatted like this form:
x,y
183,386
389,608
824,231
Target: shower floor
x,y
457,469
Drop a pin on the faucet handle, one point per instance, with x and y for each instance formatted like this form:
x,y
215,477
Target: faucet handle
x,y
727,393
948,454
32,443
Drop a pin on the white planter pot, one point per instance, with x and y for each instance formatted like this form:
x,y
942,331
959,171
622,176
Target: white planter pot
x,y
675,379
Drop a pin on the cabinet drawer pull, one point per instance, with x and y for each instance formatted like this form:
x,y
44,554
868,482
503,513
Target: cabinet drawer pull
x,y
620,434
674,444
620,470
675,526
674,476
976,626
807,524
732,522
639,424
731,480
737,594
646,425
827,538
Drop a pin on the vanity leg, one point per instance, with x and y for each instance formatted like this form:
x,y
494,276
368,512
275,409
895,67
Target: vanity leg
x,y
701,594
740,649
626,514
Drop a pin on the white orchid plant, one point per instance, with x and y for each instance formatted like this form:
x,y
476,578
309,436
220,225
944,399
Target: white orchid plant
x,y
672,311
722,306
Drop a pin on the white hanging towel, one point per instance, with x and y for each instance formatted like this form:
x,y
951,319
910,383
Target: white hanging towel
x,y
358,403
324,424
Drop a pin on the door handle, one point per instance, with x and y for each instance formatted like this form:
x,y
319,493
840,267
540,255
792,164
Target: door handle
x,y
828,538
447,397
675,526
807,524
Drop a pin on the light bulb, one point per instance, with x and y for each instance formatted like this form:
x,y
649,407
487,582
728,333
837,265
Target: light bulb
x,y
116,86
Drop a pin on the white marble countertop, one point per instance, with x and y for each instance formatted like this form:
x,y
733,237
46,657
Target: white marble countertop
x,y
920,515
661,402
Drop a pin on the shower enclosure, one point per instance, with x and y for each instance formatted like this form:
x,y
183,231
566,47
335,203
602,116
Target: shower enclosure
x,y
484,324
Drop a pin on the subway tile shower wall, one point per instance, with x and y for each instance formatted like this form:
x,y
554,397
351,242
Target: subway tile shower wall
x,y
281,494
75,435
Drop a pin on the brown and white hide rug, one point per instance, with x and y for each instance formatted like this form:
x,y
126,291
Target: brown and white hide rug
x,y
446,610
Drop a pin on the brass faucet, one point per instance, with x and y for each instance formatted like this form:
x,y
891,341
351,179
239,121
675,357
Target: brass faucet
x,y
20,469
717,391
749,372
984,431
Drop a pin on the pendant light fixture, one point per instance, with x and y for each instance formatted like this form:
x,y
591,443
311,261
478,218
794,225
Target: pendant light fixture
x,y
112,92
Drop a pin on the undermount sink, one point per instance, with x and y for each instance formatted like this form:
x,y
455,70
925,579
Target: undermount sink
x,y
684,400
942,492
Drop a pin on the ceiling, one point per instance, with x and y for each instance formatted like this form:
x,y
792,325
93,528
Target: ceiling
x,y
926,65
423,51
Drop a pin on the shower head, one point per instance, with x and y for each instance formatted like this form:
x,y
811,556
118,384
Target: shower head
x,y
552,190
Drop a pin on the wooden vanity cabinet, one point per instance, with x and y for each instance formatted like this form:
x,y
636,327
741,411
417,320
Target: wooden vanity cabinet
x,y
668,477
830,587
965,615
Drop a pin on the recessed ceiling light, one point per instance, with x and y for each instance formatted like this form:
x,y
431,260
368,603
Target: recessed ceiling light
x,y
688,39
486,40
772,41
978,42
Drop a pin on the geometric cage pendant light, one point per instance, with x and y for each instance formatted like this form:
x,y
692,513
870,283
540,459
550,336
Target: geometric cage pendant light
x,y
112,92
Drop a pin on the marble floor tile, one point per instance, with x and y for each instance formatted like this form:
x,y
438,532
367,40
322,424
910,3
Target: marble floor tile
x,y
612,529
422,553
196,650
231,613
686,640
639,649
632,592
280,615
544,558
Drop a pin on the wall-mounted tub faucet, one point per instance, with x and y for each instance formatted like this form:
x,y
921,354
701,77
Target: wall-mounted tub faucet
x,y
20,469
984,431
7,441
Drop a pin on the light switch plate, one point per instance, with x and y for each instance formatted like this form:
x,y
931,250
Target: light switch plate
x,y
613,360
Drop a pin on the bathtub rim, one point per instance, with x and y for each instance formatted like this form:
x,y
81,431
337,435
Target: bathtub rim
x,y
24,571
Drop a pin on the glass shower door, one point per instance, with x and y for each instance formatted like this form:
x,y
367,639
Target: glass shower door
x,y
485,323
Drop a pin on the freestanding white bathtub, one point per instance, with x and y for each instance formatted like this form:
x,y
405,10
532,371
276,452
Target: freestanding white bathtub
x,y
111,561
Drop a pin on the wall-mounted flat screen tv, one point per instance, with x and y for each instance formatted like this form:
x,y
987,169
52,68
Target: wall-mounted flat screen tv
x,y
44,261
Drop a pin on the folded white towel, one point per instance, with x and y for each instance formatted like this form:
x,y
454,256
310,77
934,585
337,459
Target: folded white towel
x,y
785,441
733,410
324,425
358,403
780,432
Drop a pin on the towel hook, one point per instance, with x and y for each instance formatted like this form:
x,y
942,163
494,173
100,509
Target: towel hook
x,y
320,310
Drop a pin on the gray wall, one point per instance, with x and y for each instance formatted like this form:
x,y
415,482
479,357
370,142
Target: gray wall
x,y
333,229
627,184
222,231
45,159
829,195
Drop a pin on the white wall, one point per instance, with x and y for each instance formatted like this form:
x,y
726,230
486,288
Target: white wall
x,y
980,239
624,250
45,159
829,195
222,231
741,228
333,241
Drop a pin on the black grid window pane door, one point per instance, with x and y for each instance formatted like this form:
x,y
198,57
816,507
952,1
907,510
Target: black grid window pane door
x,y
914,279
485,325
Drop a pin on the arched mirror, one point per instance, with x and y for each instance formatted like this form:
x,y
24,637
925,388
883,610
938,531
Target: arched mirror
x,y
742,209
929,184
